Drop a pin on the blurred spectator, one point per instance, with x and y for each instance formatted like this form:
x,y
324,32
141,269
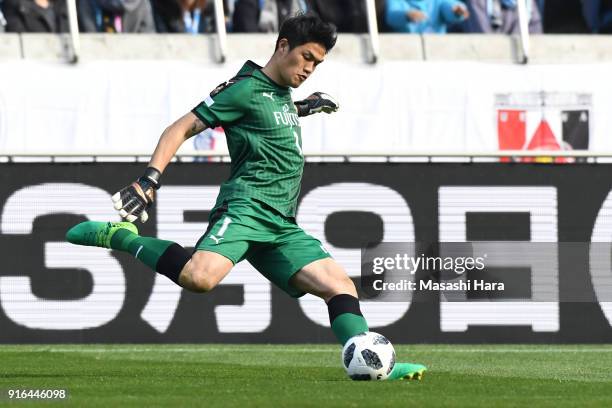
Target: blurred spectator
x,y
251,16
425,16
349,16
246,16
500,16
2,19
36,16
116,16
564,16
185,16
274,12
268,15
598,15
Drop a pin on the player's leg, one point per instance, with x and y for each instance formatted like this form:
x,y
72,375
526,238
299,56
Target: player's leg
x,y
222,245
326,279
204,271
298,264
198,272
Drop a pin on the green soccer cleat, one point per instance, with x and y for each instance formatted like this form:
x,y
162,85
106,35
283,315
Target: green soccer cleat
x,y
407,371
94,233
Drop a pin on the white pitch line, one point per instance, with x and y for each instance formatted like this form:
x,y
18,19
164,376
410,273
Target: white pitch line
x,y
184,350
521,351
168,350
298,350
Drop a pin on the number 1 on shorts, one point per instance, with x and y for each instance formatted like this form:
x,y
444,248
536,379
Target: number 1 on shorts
x,y
226,222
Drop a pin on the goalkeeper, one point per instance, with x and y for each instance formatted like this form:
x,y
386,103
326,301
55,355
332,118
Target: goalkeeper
x,y
253,217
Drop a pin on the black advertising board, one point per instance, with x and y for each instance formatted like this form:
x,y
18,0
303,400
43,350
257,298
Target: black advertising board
x,y
51,291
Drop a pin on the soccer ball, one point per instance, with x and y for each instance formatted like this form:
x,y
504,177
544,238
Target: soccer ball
x,y
368,356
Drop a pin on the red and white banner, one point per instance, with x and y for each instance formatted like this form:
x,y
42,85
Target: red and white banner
x,y
544,121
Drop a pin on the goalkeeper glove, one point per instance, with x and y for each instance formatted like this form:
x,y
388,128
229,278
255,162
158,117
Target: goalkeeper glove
x,y
134,200
315,103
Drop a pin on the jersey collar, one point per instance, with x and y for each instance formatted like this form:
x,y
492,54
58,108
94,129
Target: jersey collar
x,y
256,68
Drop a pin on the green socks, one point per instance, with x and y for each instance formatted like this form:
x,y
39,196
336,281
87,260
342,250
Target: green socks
x,y
348,325
145,249
165,257
345,317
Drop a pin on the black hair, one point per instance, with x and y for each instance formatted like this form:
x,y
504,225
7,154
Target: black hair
x,y
307,27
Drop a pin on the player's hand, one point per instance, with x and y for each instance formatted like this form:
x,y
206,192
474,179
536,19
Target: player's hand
x,y
134,200
315,103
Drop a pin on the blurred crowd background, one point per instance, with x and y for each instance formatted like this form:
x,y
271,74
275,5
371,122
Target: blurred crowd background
x,y
256,16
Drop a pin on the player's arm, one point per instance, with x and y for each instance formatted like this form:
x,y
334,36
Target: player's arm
x,y
315,103
133,201
173,137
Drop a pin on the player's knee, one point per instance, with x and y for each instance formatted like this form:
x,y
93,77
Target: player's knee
x,y
203,282
202,276
204,271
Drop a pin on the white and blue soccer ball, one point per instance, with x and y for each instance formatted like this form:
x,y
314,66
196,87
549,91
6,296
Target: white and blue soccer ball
x,y
368,356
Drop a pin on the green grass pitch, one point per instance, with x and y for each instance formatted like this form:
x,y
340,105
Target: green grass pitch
x,y
306,375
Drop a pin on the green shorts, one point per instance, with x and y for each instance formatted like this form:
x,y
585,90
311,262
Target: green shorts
x,y
274,244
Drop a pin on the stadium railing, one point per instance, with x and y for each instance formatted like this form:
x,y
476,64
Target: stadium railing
x,y
373,34
540,156
524,30
75,35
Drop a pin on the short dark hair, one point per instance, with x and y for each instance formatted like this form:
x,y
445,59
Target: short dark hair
x,y
307,27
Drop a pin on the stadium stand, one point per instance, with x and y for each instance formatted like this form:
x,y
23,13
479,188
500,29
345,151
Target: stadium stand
x,y
564,16
2,19
246,16
181,17
598,15
44,16
350,16
500,16
274,12
418,16
116,16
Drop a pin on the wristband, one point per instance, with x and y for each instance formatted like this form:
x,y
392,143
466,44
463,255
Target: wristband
x,y
152,175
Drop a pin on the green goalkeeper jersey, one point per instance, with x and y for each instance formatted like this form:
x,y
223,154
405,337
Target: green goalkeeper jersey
x,y
263,137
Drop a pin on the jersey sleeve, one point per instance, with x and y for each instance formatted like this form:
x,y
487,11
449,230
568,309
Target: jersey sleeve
x,y
227,103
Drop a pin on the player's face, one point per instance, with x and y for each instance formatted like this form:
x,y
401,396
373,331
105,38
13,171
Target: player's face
x,y
298,64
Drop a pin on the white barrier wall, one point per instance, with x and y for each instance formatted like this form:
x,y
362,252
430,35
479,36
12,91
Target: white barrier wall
x,y
397,106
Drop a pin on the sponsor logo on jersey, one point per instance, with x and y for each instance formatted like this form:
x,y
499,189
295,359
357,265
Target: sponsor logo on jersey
x,y
268,95
286,117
